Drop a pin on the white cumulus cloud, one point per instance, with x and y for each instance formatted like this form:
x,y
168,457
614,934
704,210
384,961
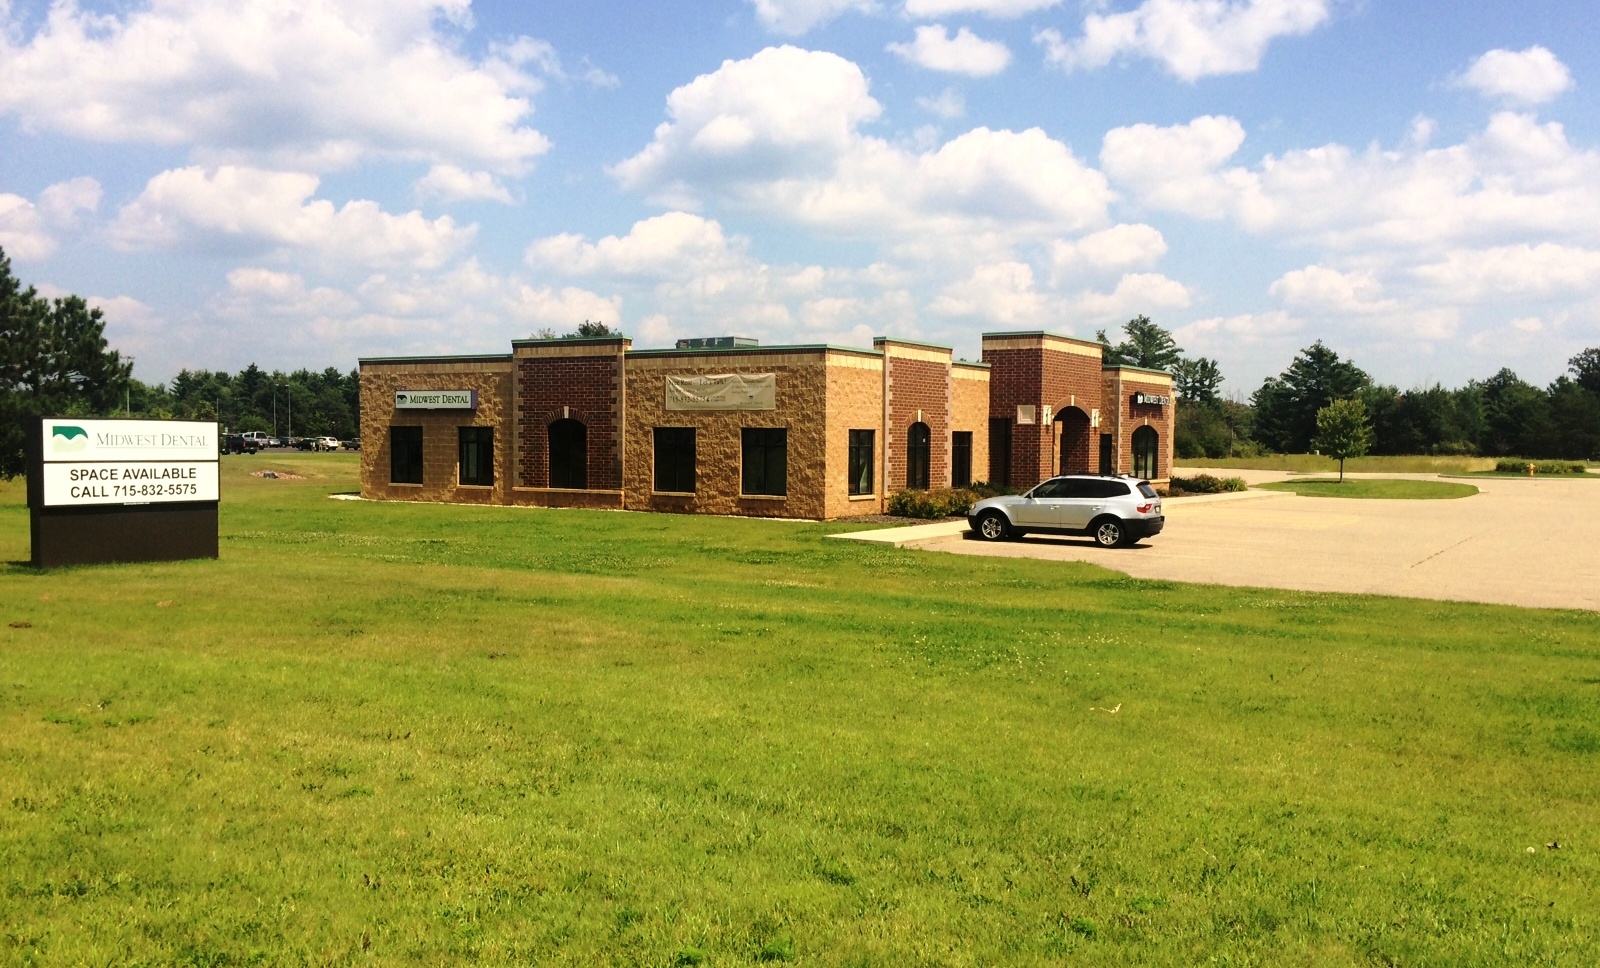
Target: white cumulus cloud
x,y
251,210
29,230
1532,76
779,134
1115,249
312,84
929,9
795,17
447,183
673,245
1190,38
965,53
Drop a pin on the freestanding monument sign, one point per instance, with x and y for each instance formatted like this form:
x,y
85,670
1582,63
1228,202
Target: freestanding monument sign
x,y
122,490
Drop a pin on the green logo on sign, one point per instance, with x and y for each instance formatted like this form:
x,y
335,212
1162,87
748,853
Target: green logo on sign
x,y
67,439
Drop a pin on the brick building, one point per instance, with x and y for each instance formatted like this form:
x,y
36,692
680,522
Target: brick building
x,y
725,426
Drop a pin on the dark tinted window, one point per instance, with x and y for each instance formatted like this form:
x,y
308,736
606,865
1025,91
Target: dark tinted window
x,y
861,451
1107,488
569,454
766,460
1147,490
675,459
999,451
919,456
476,460
1064,487
961,458
405,455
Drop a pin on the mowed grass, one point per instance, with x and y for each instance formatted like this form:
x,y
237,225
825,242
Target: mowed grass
x,y
1394,489
1318,464
389,733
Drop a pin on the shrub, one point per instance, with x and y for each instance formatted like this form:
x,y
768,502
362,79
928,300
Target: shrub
x,y
983,489
1513,465
1205,484
942,503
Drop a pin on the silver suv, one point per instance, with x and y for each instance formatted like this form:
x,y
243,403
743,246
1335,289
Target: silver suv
x,y
1112,510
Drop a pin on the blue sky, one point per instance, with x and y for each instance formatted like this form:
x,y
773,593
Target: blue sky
x,y
299,183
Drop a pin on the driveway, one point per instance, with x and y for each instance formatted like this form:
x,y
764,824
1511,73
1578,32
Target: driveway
x,y
1534,543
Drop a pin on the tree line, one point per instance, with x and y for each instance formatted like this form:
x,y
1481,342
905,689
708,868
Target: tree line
x,y
1502,416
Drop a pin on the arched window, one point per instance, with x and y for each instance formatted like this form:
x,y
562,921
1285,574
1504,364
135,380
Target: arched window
x,y
569,454
1146,445
919,456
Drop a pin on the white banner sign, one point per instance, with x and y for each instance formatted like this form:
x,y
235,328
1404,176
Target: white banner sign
x,y
128,461
731,391
144,482
436,399
71,440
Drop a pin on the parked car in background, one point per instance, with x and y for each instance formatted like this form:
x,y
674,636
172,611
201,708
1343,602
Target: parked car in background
x,y
259,437
1114,511
326,443
239,444
350,444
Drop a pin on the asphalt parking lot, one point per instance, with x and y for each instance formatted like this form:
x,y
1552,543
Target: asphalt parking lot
x,y
1516,542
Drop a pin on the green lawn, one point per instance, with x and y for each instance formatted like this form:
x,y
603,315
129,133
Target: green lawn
x,y
389,733
1318,464
1391,489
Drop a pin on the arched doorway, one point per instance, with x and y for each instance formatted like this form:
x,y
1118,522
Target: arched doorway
x,y
1146,453
1075,442
919,456
569,454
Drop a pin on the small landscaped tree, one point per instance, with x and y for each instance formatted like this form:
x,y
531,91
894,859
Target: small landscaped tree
x,y
1343,431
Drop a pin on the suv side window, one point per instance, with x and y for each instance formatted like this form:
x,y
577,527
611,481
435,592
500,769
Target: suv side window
x,y
1109,488
1051,489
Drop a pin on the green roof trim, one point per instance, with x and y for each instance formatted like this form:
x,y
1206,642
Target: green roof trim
x,y
1129,366
756,350
910,342
1039,332
480,358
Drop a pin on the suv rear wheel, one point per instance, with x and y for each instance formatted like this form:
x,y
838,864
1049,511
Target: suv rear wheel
x,y
1110,532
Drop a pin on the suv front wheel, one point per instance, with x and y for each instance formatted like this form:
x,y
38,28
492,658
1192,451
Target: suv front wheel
x,y
992,526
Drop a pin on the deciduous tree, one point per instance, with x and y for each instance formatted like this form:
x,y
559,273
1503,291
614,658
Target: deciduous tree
x,y
1343,431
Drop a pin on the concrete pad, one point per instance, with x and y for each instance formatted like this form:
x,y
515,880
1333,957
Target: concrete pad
x,y
910,535
1534,543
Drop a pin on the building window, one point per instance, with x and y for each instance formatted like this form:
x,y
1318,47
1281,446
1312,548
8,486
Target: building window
x,y
405,455
919,455
476,463
675,459
1145,444
766,460
961,458
569,455
1000,451
861,451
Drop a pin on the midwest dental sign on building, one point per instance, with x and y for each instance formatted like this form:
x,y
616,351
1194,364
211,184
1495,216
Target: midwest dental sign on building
x,y
123,490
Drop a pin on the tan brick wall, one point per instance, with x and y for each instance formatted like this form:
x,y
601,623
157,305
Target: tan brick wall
x,y
440,440
969,410
855,402
801,380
